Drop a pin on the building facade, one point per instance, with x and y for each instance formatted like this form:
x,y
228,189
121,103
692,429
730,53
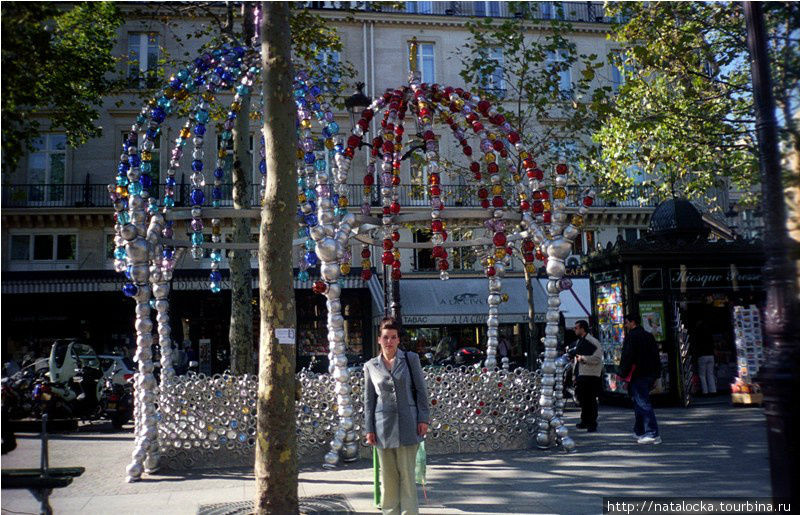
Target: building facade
x,y
57,260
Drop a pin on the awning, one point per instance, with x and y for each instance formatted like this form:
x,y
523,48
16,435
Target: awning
x,y
463,301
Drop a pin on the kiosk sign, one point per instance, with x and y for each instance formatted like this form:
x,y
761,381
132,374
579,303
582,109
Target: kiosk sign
x,y
714,278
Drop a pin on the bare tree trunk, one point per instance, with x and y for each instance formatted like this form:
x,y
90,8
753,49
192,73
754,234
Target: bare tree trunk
x,y
241,328
276,460
533,344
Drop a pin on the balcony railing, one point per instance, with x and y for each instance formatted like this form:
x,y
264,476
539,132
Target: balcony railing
x,y
588,12
37,196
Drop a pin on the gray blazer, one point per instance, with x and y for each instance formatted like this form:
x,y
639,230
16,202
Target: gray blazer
x,y
390,411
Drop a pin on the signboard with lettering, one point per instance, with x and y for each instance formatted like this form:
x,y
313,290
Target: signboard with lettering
x,y
651,279
715,278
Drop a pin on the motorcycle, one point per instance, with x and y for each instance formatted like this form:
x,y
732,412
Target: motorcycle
x,y
117,402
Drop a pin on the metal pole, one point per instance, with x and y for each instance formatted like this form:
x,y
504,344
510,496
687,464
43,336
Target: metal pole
x,y
779,378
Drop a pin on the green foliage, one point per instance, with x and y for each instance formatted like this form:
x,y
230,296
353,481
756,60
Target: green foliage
x,y
533,100
684,118
55,59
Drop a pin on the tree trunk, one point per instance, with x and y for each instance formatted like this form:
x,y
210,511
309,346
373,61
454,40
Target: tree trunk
x,y
241,328
533,344
276,460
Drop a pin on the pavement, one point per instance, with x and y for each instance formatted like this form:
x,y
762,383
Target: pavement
x,y
709,450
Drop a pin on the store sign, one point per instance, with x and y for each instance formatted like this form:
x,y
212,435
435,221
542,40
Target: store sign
x,y
472,319
651,279
464,299
710,278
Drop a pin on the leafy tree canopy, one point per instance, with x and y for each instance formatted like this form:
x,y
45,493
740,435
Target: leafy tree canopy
x,y
683,120
55,60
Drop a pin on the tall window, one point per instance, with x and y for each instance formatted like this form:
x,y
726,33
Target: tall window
x,y
47,168
426,61
617,73
494,81
142,59
419,7
423,258
487,8
558,63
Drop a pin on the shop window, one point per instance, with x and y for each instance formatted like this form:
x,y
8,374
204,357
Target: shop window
x,y
143,59
47,168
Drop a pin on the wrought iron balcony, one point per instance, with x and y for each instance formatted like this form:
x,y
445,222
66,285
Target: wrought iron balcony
x,y
38,196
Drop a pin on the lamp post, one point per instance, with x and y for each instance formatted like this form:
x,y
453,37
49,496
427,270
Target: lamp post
x,y
779,377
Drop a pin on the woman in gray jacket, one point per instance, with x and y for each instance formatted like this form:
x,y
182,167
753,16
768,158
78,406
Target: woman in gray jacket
x,y
396,417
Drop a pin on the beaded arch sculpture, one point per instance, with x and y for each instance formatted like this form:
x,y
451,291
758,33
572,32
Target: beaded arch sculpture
x,y
520,210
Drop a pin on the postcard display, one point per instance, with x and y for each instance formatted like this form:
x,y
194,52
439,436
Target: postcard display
x,y
610,320
749,354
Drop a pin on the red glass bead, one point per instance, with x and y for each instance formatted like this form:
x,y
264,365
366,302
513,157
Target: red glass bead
x,y
561,169
499,239
525,205
386,210
472,117
436,191
538,174
353,141
547,217
396,264
443,265
349,153
490,271
396,236
364,124
369,180
477,176
395,180
527,246
498,201
485,203
538,207
498,145
492,168
367,114
528,163
474,167
438,252
478,411
320,287
366,274
444,235
387,258
399,130
509,250
477,126
484,106
396,274
428,136
467,150
387,244
394,208
433,178
529,258
588,201
545,194
436,226
388,147
513,137
483,193
365,253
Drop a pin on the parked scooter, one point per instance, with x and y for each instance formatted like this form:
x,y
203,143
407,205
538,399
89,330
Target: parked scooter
x,y
117,402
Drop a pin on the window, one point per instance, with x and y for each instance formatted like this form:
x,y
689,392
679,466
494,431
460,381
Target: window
x,y
591,241
495,82
142,59
631,234
44,247
47,168
423,258
487,8
419,7
328,68
552,10
617,58
465,258
558,64
425,62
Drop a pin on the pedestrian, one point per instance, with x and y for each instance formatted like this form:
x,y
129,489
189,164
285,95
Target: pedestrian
x,y
703,350
589,366
396,417
640,366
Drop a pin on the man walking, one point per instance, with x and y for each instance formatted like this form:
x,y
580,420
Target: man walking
x,y
640,366
589,366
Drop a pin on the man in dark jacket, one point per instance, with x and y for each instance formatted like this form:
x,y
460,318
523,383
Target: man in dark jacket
x,y
641,365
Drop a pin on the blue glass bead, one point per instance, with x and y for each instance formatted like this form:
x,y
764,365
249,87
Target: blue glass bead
x,y
197,238
120,253
146,181
216,193
225,135
122,168
218,393
333,128
198,197
123,217
219,70
183,75
311,258
152,303
219,173
239,51
310,158
302,276
335,199
200,129
152,133
222,440
199,63
326,132
313,206
242,89
134,160
234,424
301,183
320,165
128,272
242,437
158,115
141,119
311,195
216,256
130,290
197,165
122,181
310,244
168,253
339,148
215,288
215,276
201,116
134,188
303,232
169,201
262,167
341,282
337,212
299,93
215,203
232,115
311,219
153,208
170,181
146,167
191,87
316,107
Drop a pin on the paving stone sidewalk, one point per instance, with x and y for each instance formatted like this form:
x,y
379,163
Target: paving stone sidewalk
x,y
708,450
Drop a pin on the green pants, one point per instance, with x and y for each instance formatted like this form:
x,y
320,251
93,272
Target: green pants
x,y
397,480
